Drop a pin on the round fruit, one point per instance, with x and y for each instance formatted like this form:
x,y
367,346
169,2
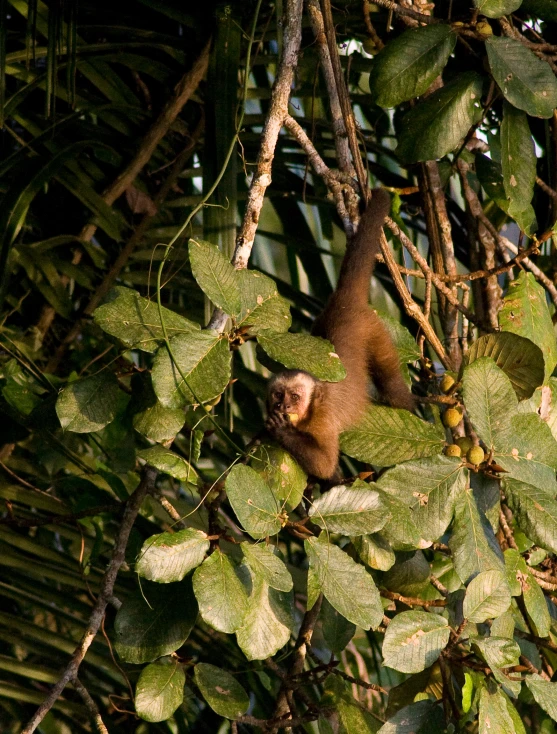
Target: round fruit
x,y
293,417
475,455
465,443
484,29
447,382
452,417
453,450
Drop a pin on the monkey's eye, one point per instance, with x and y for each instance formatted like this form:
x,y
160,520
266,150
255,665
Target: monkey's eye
x,y
295,398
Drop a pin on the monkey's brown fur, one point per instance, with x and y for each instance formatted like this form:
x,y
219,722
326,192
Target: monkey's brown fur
x,y
325,409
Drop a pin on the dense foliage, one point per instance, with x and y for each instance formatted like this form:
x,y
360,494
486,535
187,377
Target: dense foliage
x,y
163,563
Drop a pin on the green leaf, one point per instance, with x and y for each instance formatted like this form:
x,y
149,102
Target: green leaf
x,y
404,342
525,312
429,487
408,65
526,81
534,601
168,557
387,436
375,551
262,307
264,562
519,171
535,511
495,717
170,463
253,502
497,8
421,717
136,321
443,119
204,359
154,622
414,640
90,404
401,531
347,586
222,598
499,653
221,690
528,452
473,544
490,400
349,717
337,630
160,690
281,472
158,423
215,275
354,510
487,596
268,622
545,694
519,358
303,352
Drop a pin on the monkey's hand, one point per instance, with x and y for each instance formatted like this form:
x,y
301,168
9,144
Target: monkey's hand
x,y
279,425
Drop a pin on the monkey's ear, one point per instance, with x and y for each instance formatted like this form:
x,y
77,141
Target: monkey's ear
x,y
318,393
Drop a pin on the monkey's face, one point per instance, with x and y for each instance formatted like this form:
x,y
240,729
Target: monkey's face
x,y
291,392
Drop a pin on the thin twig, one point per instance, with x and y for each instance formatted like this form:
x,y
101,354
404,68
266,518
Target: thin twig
x,y
106,591
91,706
412,601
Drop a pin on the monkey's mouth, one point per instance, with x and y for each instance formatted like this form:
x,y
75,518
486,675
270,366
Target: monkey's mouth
x,y
293,418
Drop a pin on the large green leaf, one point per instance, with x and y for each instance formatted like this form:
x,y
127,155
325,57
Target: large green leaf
x,y
268,621
519,171
490,400
160,690
337,630
499,653
215,275
90,404
374,551
353,510
170,463
264,562
421,717
222,598
429,487
345,584
349,716
136,321
159,423
487,596
545,694
303,352
495,717
437,125
519,358
281,472
203,359
408,65
262,307
535,511
497,8
534,601
528,452
525,312
387,436
414,640
401,532
168,557
221,690
473,544
253,501
155,621
526,81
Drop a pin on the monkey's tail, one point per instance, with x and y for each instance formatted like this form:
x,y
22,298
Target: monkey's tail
x,y
359,260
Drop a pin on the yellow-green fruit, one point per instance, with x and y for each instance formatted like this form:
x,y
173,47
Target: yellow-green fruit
x,y
484,29
447,382
452,417
465,443
475,455
453,450
457,24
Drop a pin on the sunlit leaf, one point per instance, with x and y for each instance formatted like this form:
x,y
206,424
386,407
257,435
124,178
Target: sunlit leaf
x,y
221,690
159,690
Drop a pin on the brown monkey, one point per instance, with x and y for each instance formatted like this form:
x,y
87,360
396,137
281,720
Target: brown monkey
x,y
322,410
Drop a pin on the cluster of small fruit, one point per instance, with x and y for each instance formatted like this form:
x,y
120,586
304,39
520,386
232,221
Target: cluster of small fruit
x,y
463,445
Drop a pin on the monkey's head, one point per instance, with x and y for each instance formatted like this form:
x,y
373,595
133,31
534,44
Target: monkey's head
x,y
293,392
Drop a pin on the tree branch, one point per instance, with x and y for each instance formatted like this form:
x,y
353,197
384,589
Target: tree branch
x,y
106,591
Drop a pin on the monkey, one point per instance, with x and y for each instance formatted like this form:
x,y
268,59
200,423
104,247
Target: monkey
x,y
305,415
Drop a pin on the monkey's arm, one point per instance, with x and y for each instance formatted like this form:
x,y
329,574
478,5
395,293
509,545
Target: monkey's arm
x,y
317,454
